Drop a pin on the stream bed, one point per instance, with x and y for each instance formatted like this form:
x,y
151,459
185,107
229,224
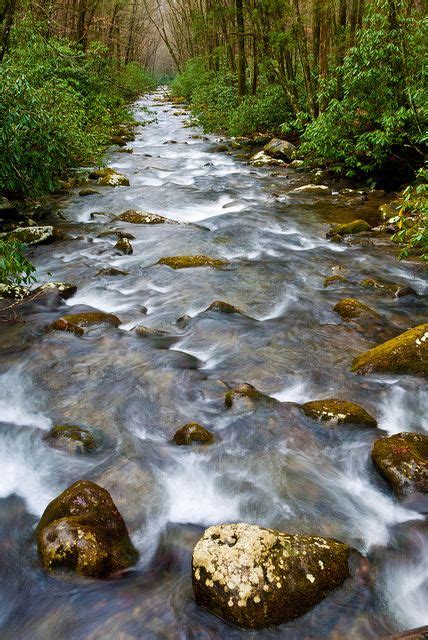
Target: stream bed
x,y
270,465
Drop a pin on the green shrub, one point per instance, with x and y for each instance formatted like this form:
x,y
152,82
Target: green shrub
x,y
412,218
14,266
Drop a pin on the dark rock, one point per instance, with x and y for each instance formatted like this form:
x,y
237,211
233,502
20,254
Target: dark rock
x,y
70,438
82,530
242,391
338,412
193,433
13,291
222,307
64,289
111,271
402,459
124,246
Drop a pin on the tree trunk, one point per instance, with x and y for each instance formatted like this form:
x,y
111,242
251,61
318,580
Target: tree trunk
x,y
6,22
242,85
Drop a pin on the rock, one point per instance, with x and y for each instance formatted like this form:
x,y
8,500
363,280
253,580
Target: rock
x,y
350,309
82,530
280,149
111,271
193,433
255,577
397,290
389,210
13,291
349,228
222,307
118,141
146,332
262,159
64,289
338,412
330,280
7,207
125,150
402,459
70,438
108,177
296,164
88,192
242,391
185,262
77,322
33,235
406,354
124,246
312,189
143,217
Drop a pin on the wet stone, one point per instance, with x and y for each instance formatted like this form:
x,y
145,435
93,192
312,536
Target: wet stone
x,y
186,262
77,322
108,177
64,289
242,391
332,280
280,149
111,271
349,228
338,412
193,433
70,438
124,246
351,309
143,217
402,459
222,307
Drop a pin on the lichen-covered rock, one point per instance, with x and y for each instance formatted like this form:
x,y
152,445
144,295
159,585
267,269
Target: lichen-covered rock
x,y
185,262
336,279
108,177
262,159
33,235
407,354
222,307
256,577
348,228
281,149
13,291
242,391
124,246
77,322
144,217
82,530
312,189
71,438
402,459
338,412
64,289
193,433
350,309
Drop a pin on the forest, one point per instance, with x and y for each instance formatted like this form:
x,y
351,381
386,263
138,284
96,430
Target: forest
x,y
213,320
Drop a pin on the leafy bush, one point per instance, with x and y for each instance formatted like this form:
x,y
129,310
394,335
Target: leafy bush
x,y
412,218
14,266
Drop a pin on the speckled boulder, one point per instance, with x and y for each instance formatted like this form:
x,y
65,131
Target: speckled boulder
x,y
349,228
402,459
77,322
407,354
143,217
13,291
351,309
193,433
82,530
108,177
242,391
70,438
338,412
185,262
33,235
256,577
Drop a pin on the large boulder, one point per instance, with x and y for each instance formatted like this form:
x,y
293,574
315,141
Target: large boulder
x,y
108,177
256,577
13,291
82,530
144,217
338,412
78,322
407,353
185,262
402,459
193,433
280,149
33,235
348,228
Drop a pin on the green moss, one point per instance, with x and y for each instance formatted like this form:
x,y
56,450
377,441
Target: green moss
x,y
349,228
407,354
124,246
242,391
185,262
334,280
193,433
350,308
222,307
338,412
402,459
71,438
108,177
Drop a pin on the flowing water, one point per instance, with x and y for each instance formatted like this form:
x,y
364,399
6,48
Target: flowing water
x,y
270,465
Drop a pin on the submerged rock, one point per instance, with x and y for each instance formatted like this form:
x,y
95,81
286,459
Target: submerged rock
x,y
71,438
407,354
348,228
145,332
312,189
88,192
64,289
281,149
193,433
144,217
255,577
185,262
350,309
402,459
82,530
222,307
330,280
242,391
397,290
77,322
108,177
111,271
338,412
124,246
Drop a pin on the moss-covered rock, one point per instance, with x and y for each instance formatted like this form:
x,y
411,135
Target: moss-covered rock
x,y
281,149
34,235
71,438
312,189
13,291
82,530
222,307
348,228
64,289
262,159
193,433
124,246
108,177
407,354
336,279
242,391
338,412
402,459
256,577
77,322
186,262
143,217
397,290
351,309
